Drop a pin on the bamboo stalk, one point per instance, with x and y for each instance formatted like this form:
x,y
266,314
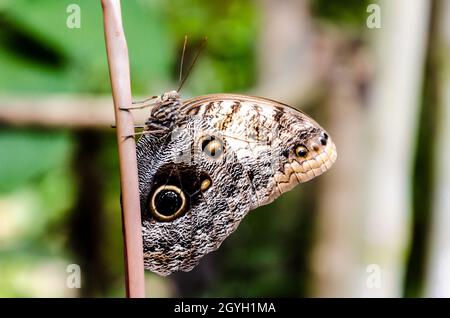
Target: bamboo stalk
x,y
119,71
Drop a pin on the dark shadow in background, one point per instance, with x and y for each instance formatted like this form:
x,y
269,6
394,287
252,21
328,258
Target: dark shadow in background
x,y
86,222
423,179
27,45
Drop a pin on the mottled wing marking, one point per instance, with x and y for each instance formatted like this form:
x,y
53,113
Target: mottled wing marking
x,y
252,134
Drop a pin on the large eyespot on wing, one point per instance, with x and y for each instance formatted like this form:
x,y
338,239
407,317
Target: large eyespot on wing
x,y
167,203
180,218
165,208
176,192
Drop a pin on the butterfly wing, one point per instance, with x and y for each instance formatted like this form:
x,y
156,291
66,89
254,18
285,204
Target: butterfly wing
x,y
264,135
226,155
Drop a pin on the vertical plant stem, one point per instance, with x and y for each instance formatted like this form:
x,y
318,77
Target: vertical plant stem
x,y
119,72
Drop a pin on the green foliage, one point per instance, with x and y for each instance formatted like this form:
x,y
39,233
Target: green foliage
x,y
27,155
231,28
348,12
74,59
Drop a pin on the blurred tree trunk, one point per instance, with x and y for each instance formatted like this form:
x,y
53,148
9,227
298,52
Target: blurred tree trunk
x,y
334,253
294,61
364,208
375,160
438,263
389,147
293,56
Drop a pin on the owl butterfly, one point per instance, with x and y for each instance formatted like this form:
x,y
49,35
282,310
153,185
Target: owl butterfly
x,y
205,162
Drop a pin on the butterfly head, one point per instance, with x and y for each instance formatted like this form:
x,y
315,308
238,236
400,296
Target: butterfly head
x,y
165,110
171,96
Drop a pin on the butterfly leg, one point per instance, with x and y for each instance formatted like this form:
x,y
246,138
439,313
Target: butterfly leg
x,y
151,101
144,132
152,126
135,126
145,100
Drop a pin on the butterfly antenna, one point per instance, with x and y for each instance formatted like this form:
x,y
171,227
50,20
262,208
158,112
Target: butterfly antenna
x,y
182,58
193,63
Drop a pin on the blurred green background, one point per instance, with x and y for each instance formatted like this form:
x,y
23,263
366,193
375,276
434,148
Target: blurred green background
x,y
59,187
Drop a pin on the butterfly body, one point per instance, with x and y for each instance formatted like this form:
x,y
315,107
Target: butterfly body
x,y
210,161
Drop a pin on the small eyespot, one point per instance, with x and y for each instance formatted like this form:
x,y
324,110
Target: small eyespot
x,y
206,183
315,146
212,147
323,139
168,202
301,151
